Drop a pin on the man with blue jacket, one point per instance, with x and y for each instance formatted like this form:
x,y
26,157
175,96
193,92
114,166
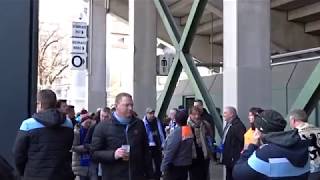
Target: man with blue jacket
x,y
275,153
43,142
177,150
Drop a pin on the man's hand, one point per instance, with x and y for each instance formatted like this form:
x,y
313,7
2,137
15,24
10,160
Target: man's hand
x,y
119,153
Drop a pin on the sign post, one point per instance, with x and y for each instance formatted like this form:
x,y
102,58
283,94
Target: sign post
x,y
79,46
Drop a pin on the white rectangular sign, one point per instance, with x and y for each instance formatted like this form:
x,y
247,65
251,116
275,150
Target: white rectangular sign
x,y
79,45
79,29
164,63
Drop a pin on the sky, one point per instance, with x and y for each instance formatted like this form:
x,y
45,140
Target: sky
x,y
60,11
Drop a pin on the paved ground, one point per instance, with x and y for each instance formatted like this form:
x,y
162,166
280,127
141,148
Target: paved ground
x,y
216,172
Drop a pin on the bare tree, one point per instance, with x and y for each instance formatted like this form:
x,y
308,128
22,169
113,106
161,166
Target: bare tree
x,y
52,56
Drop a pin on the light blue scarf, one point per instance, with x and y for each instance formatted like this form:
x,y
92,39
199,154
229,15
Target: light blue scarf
x,y
122,120
149,131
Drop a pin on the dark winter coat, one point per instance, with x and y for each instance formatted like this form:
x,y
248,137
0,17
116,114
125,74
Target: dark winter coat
x,y
42,146
283,156
109,136
234,143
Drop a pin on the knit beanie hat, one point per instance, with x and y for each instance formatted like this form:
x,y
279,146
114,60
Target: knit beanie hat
x,y
270,121
181,118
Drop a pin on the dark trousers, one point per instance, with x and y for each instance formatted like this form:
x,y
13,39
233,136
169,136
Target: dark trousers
x,y
314,176
199,169
229,173
156,156
176,173
93,171
84,178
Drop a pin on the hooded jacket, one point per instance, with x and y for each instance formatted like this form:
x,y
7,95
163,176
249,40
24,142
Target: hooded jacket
x,y
42,146
284,155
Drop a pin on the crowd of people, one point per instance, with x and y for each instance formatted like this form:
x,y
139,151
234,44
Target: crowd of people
x,y
117,144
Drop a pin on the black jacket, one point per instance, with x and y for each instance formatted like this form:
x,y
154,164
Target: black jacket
x,y
283,156
206,116
108,136
42,146
233,143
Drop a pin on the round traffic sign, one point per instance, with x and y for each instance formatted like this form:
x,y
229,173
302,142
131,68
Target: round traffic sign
x,y
77,61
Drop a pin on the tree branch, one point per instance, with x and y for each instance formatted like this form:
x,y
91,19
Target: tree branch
x,y
53,78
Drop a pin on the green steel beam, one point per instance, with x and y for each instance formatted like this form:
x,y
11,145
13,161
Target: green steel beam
x,y
190,28
200,89
183,59
314,100
168,21
310,93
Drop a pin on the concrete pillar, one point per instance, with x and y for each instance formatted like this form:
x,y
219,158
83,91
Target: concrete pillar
x,y
246,40
97,55
142,22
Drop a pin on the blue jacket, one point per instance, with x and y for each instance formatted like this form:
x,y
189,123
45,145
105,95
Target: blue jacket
x,y
283,156
177,148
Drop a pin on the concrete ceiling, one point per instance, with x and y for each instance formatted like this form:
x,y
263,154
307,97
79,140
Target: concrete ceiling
x,y
293,25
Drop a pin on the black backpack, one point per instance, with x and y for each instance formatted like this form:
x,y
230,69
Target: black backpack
x,y
6,170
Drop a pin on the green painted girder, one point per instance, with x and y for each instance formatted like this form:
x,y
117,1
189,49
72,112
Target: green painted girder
x,y
184,59
310,93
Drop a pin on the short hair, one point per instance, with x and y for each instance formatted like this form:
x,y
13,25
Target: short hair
x,y
70,108
106,109
299,114
256,110
120,95
180,107
61,101
47,98
83,111
174,109
232,110
194,109
199,101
